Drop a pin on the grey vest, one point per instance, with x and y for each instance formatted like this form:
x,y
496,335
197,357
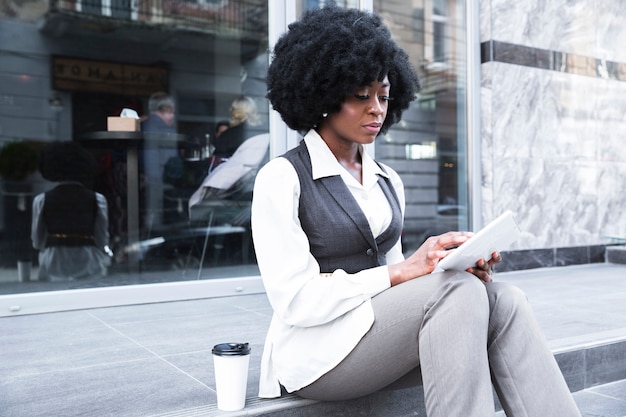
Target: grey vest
x,y
339,234
69,212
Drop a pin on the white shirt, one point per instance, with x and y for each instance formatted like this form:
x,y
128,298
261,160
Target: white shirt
x,y
318,319
62,263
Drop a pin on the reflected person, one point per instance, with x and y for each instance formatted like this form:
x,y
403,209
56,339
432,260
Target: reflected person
x,y
158,150
70,221
221,127
244,117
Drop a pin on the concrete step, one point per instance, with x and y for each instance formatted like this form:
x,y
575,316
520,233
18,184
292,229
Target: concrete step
x,y
78,363
586,368
616,254
595,363
583,327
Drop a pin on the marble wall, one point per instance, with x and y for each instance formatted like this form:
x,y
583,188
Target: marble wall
x,y
553,115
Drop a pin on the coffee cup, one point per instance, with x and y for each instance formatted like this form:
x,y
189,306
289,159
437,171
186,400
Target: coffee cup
x,y
231,362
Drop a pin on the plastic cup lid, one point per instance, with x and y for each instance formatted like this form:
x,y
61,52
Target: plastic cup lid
x,y
231,349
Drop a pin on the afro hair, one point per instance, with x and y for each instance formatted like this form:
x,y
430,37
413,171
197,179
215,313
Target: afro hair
x,y
67,161
327,54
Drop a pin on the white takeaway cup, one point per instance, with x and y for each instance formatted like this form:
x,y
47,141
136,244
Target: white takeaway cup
x,y
231,362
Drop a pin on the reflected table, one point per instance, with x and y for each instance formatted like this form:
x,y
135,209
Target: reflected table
x,y
132,142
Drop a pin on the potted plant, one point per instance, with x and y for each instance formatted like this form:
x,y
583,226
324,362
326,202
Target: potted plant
x,y
18,160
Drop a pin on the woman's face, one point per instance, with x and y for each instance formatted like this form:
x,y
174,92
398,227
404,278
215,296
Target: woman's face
x,y
361,115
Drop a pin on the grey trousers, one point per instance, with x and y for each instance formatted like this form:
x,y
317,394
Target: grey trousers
x,y
464,335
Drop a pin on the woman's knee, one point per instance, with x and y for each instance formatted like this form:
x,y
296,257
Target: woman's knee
x,y
463,293
506,299
468,289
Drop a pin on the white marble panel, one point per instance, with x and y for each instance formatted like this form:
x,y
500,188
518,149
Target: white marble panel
x,y
553,151
611,192
553,205
611,30
611,141
486,143
611,110
575,98
560,25
525,113
485,21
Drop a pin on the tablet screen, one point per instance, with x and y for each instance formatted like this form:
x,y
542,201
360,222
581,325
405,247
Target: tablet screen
x,y
495,237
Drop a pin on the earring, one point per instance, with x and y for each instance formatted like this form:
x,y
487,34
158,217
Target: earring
x,y
324,115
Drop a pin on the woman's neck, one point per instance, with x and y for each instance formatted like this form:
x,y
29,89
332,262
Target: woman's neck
x,y
349,157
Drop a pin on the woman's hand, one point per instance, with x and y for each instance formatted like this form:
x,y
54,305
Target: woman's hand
x,y
482,270
424,260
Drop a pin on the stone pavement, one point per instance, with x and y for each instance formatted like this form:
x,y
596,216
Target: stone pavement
x,y
155,359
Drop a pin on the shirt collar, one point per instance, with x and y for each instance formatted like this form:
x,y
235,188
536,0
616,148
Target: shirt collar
x,y
324,163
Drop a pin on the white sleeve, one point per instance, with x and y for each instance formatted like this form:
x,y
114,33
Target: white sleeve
x,y
298,293
101,226
38,231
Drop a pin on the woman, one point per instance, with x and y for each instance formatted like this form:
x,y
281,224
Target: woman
x,y
351,315
243,118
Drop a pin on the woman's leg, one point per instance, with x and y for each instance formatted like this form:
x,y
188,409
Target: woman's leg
x,y
452,349
442,317
525,373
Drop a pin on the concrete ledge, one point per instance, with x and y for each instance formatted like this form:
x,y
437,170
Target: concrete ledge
x,y
593,365
583,366
518,260
398,403
254,407
616,254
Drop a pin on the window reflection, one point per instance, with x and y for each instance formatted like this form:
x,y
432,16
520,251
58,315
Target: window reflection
x,y
101,57
104,57
427,148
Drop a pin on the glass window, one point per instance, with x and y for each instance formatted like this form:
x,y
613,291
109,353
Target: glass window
x,y
428,148
169,215
159,199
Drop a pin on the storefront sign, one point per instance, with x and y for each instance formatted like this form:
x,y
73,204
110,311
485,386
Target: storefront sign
x,y
76,74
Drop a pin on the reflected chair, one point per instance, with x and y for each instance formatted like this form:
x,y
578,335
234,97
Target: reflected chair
x,y
222,203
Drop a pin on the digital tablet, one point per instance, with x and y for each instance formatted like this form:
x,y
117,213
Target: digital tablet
x,y
495,237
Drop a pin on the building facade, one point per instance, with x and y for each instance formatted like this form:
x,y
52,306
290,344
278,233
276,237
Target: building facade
x,y
521,109
553,123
